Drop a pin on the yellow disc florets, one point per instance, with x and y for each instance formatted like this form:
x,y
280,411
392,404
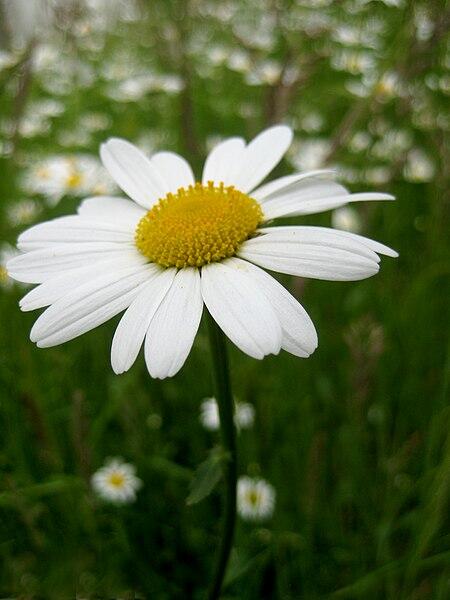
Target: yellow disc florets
x,y
197,225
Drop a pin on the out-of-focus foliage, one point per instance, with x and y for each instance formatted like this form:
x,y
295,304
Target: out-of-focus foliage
x,y
354,440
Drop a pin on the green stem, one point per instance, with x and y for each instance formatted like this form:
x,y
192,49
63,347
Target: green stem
x,y
227,429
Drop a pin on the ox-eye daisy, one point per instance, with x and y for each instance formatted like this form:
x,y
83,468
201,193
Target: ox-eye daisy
x,y
255,498
176,244
116,481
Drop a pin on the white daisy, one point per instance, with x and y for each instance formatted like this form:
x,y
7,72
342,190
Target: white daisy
x,y
177,244
244,414
76,175
116,481
255,499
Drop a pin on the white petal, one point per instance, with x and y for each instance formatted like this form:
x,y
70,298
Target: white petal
x,y
173,328
310,236
130,332
261,156
309,259
133,171
327,236
111,209
39,265
299,334
313,196
224,161
301,193
236,303
278,186
175,171
73,229
89,305
61,284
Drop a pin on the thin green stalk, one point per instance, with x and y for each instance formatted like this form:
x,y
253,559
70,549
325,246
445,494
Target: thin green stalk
x,y
227,429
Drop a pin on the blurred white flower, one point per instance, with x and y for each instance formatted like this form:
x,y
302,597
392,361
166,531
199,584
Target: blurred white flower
x,y
25,19
7,59
136,87
22,212
419,167
310,154
378,175
244,414
239,61
46,107
265,73
352,61
217,55
76,175
95,121
33,124
76,137
392,144
346,218
360,141
116,482
6,252
313,121
255,499
388,86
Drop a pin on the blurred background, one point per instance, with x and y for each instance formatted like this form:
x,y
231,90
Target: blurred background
x,y
355,440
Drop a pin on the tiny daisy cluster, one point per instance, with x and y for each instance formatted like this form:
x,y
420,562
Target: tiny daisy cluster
x,y
75,175
255,499
197,225
116,482
244,414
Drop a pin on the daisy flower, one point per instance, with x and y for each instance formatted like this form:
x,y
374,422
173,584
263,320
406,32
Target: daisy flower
x,y
116,482
76,175
255,499
176,244
244,414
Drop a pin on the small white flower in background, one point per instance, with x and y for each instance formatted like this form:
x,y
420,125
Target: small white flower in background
x,y
346,218
239,61
76,175
6,252
23,212
116,482
255,499
419,167
244,414
352,61
310,154
209,414
313,121
388,86
7,59
377,175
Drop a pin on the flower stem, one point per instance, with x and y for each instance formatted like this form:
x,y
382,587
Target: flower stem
x,y
227,429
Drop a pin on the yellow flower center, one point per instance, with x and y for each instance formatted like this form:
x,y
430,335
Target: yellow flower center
x,y
197,225
253,498
74,180
116,480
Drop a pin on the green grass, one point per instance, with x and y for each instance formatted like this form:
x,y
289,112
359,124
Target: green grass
x,y
355,439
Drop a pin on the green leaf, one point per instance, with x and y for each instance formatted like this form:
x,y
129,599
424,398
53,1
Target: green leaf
x,y
207,476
